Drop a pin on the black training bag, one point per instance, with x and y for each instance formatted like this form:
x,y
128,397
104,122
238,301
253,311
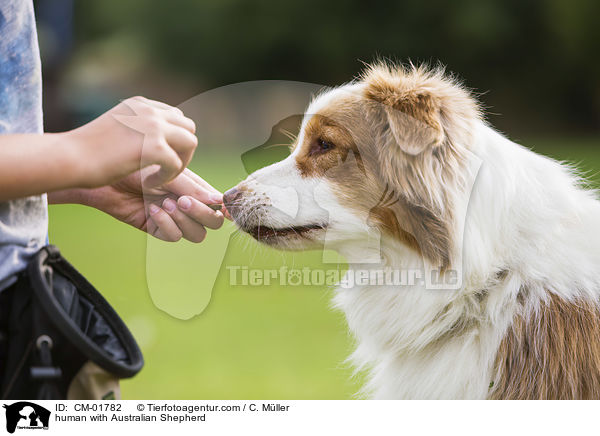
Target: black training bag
x,y
62,338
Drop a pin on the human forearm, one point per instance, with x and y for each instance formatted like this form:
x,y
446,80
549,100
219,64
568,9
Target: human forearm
x,y
71,196
136,133
32,164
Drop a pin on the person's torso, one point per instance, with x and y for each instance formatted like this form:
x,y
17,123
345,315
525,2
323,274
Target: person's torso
x,y
23,222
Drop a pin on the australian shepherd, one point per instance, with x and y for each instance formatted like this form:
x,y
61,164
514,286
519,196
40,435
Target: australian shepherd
x,y
398,171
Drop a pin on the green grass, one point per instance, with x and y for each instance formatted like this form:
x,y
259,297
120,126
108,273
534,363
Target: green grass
x,y
249,342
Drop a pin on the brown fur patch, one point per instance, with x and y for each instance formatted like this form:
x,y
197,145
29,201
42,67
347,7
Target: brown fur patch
x,y
413,112
413,225
551,354
310,162
388,221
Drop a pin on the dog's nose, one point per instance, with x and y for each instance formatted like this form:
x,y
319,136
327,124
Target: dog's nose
x,y
231,196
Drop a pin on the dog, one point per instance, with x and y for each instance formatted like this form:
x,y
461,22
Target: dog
x,y
404,153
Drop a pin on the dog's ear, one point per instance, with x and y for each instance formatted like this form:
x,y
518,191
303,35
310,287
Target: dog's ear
x,y
413,114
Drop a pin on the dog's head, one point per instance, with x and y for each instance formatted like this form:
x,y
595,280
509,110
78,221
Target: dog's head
x,y
383,154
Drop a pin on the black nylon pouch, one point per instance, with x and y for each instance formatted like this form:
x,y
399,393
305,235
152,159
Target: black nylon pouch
x,y
57,323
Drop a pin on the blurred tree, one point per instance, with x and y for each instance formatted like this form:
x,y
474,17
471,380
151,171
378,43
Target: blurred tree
x,y
537,58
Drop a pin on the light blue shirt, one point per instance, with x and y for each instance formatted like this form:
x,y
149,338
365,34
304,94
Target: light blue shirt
x,y
23,222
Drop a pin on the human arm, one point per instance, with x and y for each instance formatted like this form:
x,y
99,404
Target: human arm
x,y
129,163
137,133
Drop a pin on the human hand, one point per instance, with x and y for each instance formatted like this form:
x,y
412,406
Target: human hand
x,y
135,134
175,210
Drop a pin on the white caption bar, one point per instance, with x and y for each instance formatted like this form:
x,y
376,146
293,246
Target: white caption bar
x,y
298,417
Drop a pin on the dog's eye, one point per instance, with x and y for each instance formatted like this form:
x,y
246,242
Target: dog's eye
x,y
320,146
324,145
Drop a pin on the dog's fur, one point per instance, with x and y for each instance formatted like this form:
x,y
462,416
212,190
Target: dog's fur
x,y
445,192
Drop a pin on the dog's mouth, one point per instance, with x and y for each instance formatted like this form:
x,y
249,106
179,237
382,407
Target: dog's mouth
x,y
266,233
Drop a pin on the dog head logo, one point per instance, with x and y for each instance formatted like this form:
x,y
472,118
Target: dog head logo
x,y
26,415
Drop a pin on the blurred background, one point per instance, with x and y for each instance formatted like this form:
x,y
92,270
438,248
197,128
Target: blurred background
x,y
533,63
536,61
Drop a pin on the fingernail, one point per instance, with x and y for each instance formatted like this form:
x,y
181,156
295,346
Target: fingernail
x,y
217,198
169,205
153,209
184,203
